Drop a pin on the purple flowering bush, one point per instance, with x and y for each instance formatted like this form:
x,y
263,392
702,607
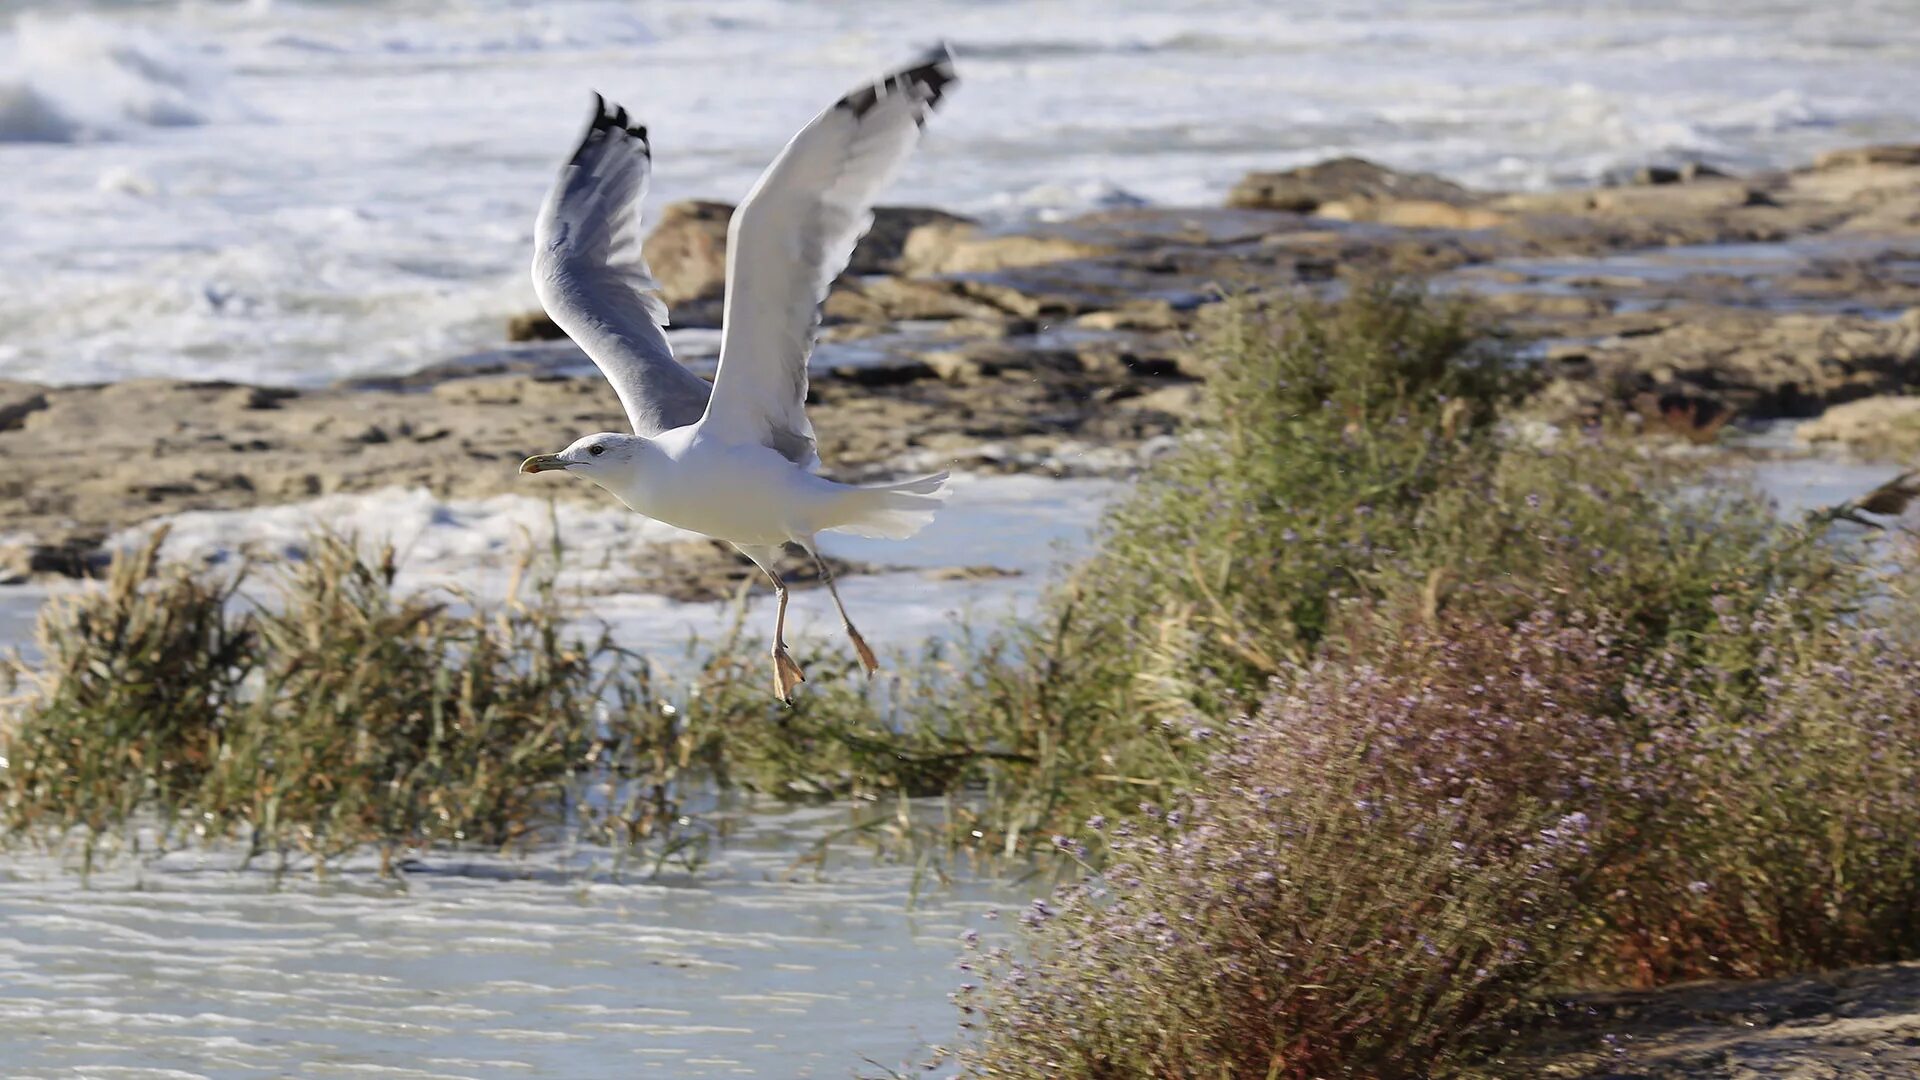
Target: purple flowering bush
x,y
1418,836
1800,846
1376,869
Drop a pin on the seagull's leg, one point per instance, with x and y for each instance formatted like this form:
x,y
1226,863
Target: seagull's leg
x,y
786,673
859,643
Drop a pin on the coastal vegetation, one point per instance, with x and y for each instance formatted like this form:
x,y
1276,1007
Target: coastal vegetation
x,y
1378,715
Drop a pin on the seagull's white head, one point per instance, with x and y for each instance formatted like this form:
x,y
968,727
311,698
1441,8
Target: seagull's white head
x,y
592,456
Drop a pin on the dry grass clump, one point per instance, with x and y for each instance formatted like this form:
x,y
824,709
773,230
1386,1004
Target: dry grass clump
x,y
340,712
313,708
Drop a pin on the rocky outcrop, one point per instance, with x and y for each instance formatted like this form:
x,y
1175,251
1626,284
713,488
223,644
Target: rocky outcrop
x,y
687,250
1347,181
883,249
19,401
1742,362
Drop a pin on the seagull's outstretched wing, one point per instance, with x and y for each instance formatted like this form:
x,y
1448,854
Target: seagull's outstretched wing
x,y
790,239
589,273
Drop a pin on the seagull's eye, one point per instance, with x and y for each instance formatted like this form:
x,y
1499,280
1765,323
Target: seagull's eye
x,y
596,450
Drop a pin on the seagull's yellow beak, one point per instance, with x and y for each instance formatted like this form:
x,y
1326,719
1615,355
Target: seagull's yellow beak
x,y
542,463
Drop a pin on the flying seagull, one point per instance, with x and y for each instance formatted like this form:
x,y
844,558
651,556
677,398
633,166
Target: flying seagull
x,y
733,460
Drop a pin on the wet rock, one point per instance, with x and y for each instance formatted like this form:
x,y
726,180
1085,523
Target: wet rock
x,y
254,398
70,554
1650,175
1130,358
1667,201
1346,180
1181,400
701,571
992,326
968,573
1545,305
891,372
986,359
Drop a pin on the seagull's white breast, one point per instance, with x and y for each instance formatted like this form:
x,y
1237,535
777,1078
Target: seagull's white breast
x,y
746,494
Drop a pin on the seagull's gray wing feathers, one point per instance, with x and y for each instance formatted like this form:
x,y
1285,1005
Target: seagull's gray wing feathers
x,y
593,281
793,235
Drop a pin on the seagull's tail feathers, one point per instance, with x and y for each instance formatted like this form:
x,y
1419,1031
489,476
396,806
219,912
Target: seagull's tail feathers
x,y
891,511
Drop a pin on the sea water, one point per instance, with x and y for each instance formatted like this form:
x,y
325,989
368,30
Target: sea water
x,y
292,192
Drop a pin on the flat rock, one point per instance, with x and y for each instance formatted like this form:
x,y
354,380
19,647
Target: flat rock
x,y
1857,156
966,249
1762,364
1857,1024
1882,427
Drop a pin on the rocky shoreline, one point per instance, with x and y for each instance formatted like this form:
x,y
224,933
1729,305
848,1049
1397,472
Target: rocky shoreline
x,y
1066,348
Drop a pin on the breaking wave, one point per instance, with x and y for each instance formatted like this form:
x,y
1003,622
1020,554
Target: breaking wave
x,y
82,78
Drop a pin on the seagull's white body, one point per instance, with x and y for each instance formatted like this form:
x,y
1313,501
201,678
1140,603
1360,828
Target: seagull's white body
x,y
732,461
768,500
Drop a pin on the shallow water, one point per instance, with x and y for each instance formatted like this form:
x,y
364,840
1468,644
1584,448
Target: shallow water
x,y
477,970
756,966
1654,278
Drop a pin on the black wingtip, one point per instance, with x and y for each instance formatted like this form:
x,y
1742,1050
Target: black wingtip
x,y
610,118
927,79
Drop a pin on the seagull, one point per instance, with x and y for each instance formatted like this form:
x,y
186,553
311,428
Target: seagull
x,y
734,460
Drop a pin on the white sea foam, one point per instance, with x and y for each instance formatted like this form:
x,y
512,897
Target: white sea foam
x,y
1016,526
67,79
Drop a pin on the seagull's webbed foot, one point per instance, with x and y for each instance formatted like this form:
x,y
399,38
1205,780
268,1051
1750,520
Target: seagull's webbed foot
x,y
867,659
786,674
